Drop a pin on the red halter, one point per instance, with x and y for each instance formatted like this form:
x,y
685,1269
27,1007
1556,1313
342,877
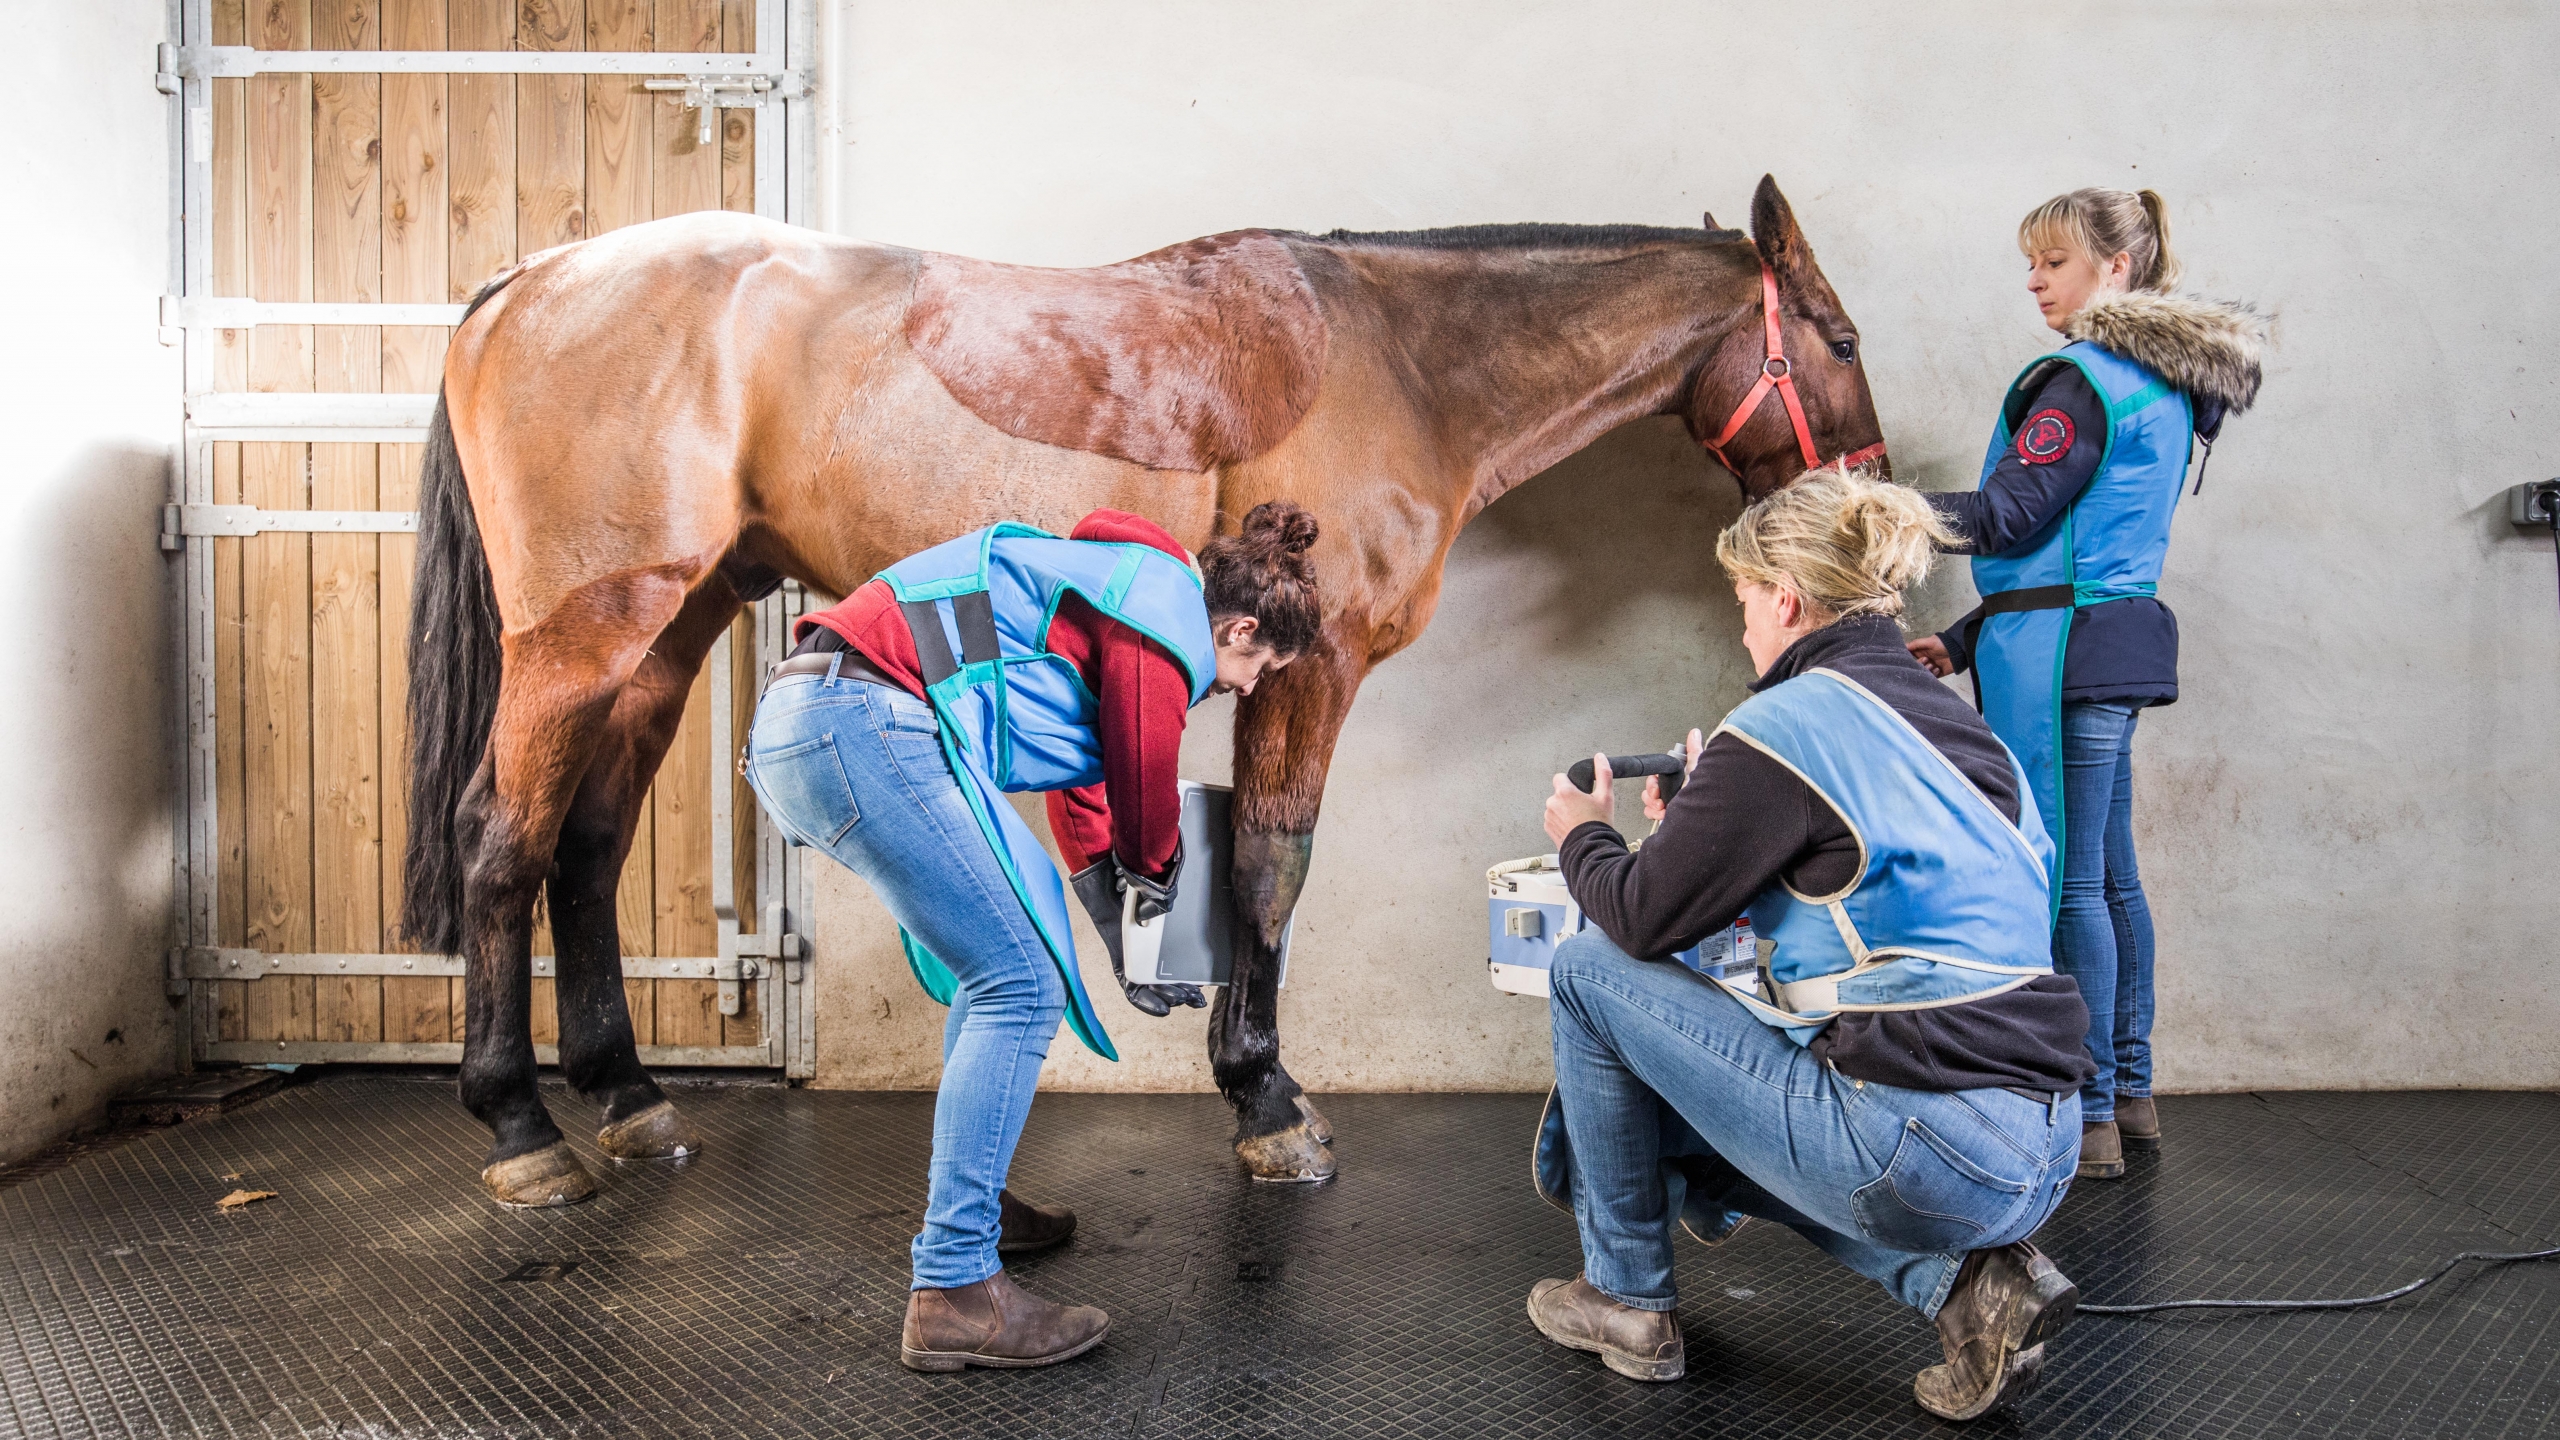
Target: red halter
x,y
1777,373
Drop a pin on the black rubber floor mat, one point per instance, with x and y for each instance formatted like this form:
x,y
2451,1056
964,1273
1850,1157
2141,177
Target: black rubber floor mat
x,y
757,1290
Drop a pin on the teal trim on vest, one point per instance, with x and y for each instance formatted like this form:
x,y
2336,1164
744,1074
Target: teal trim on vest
x,y
1023,719
1949,905
2109,545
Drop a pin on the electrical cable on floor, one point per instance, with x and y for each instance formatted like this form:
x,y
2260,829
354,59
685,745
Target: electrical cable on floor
x,y
2358,1302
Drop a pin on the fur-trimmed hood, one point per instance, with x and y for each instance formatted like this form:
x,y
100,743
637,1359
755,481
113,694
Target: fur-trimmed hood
x,y
2210,349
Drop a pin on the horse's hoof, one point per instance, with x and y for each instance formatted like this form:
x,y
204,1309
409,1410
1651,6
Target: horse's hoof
x,y
1317,1125
1287,1157
657,1133
539,1179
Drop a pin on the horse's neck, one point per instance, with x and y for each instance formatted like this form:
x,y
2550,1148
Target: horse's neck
x,y
1519,360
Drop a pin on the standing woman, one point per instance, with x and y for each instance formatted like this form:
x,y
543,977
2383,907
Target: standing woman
x,y
2068,531
1012,660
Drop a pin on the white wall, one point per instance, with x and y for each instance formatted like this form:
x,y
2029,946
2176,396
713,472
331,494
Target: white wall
x,y
88,405
2347,819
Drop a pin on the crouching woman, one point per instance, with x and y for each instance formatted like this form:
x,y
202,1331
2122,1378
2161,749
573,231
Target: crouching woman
x,y
1901,1084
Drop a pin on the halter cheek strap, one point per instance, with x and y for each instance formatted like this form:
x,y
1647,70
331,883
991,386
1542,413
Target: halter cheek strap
x,y
1778,373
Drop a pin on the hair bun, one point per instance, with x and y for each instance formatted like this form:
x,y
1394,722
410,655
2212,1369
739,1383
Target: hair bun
x,y
1283,524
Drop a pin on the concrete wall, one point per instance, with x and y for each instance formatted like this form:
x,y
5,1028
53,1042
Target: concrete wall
x,y
88,406
2347,818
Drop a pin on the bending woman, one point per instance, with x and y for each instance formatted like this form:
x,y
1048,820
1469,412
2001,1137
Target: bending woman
x,y
1012,660
2068,530
1903,1088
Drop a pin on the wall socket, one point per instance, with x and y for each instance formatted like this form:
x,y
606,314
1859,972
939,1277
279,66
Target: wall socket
x,y
2530,503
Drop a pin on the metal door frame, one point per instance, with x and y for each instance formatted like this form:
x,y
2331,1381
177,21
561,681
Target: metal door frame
x,y
773,81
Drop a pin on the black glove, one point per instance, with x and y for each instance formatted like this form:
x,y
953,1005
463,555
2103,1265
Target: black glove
x,y
1098,886
1155,897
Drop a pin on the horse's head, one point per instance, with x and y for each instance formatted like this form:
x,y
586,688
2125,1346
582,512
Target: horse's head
x,y
1738,406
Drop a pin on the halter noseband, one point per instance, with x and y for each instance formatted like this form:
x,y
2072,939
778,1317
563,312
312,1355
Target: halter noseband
x,y
1778,373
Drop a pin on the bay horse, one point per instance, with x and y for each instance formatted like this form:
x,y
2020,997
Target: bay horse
x,y
642,431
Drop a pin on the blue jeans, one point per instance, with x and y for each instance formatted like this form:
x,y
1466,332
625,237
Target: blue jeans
x,y
1896,1184
857,770
2103,936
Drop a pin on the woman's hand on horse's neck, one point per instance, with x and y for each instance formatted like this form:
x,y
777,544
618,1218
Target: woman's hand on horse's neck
x,y
1593,338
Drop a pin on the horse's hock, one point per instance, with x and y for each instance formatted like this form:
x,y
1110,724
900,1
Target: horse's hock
x,y
413,189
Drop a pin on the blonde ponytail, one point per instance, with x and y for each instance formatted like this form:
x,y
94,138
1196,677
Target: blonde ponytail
x,y
1845,542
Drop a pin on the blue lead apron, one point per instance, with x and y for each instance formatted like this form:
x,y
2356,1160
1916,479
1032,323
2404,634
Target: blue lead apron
x,y
1013,715
2108,545
1949,905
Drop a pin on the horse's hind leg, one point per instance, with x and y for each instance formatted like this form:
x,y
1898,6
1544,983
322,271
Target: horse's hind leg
x,y
1285,732
555,703
597,1052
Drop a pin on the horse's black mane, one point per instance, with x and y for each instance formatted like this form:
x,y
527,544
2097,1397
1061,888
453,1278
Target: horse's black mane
x,y
1530,237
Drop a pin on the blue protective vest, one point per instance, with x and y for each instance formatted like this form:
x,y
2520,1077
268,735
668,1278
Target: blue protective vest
x,y
2108,545
1949,904
1016,716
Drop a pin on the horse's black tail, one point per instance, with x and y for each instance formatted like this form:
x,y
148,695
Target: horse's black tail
x,y
453,691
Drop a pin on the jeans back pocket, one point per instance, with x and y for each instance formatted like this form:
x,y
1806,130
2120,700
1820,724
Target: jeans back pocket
x,y
1932,1199
805,789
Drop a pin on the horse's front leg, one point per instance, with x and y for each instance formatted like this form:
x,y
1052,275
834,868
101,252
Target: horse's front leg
x,y
1285,733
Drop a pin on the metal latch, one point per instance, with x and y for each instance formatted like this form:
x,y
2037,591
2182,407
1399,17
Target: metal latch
x,y
703,94
771,942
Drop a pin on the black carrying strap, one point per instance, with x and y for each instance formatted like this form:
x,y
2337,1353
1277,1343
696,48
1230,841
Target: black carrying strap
x,y
974,613
2003,602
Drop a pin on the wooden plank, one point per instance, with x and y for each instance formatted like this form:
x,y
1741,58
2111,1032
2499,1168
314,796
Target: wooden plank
x,y
415,225
346,580
414,1007
688,1011
635,918
685,174
482,137
276,569
346,740
551,131
229,199
618,124
276,773
738,127
346,199
747,1026
229,748
279,198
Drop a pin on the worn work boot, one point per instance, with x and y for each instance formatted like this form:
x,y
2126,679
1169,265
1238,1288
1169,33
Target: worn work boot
x,y
2005,1304
1639,1344
2101,1151
1031,1227
2137,1122
997,1324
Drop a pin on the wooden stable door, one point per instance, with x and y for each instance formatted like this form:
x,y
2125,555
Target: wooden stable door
x,y
411,189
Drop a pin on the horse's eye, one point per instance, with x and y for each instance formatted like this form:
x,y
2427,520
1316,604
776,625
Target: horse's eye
x,y
1844,351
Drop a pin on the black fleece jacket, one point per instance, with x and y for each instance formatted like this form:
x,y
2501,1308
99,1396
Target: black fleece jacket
x,y
1744,821
2120,652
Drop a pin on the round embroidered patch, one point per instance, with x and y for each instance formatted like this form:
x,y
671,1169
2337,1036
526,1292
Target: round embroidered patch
x,y
2045,438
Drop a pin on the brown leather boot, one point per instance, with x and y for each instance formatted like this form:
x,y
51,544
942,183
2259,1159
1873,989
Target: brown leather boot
x,y
1031,1227
994,1323
1639,1344
2101,1151
2005,1304
2138,1122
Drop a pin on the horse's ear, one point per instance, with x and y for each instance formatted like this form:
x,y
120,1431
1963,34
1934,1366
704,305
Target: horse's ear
x,y
1774,234
1711,221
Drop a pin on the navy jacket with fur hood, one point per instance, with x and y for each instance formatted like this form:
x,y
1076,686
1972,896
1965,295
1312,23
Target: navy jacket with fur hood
x,y
2122,652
